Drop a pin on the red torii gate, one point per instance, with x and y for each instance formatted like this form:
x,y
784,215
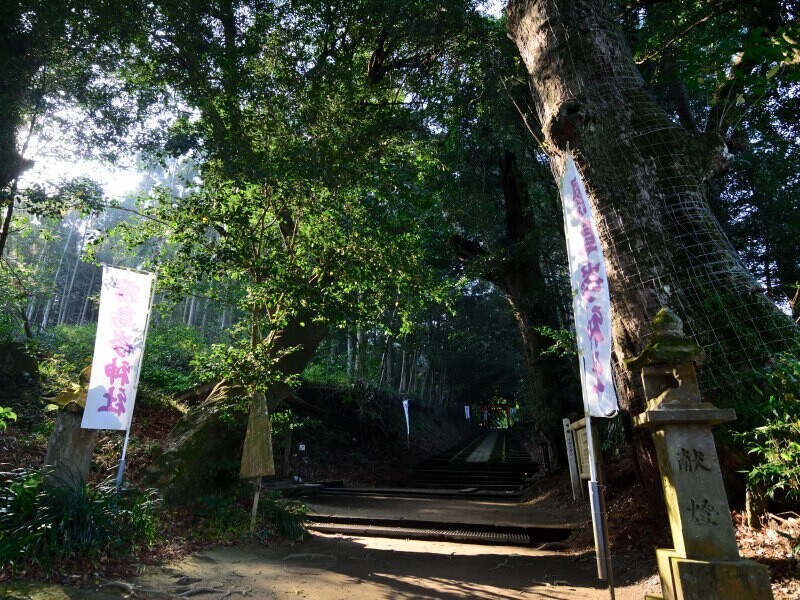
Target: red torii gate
x,y
486,408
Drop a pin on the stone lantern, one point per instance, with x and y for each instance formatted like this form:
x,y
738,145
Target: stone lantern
x,y
704,563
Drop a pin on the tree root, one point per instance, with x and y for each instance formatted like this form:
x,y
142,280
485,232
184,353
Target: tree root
x,y
210,590
127,588
205,590
502,564
311,555
130,590
552,546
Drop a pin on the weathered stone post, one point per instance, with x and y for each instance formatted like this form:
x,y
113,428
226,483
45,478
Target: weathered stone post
x,y
704,563
69,450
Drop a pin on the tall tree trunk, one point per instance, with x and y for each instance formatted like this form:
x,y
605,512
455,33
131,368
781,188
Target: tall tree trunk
x,y
442,383
411,388
401,387
5,229
87,299
518,272
46,313
361,353
329,364
351,350
33,303
65,298
206,437
295,345
522,279
646,178
383,348
389,361
204,318
192,305
49,304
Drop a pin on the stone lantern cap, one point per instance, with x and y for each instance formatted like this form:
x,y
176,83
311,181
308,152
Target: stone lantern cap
x,y
668,344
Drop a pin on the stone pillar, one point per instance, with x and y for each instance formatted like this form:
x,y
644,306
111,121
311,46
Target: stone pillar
x,y
70,448
704,563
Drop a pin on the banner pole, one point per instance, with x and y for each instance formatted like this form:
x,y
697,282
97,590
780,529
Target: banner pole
x,y
121,468
599,517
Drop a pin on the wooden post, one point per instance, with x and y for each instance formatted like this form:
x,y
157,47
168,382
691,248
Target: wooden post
x,y
574,476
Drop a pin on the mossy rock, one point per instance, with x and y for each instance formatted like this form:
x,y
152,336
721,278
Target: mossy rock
x,y
203,452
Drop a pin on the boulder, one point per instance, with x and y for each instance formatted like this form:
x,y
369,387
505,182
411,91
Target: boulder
x,y
202,453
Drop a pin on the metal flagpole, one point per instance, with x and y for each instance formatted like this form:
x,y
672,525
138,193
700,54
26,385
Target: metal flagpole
x,y
597,502
121,468
599,521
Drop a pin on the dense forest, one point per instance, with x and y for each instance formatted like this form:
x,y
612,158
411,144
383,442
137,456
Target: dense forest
x,y
363,193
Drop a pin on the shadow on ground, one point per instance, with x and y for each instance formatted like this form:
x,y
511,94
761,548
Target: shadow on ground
x,y
336,567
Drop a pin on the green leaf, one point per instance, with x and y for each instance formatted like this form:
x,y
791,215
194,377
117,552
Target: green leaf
x,y
773,71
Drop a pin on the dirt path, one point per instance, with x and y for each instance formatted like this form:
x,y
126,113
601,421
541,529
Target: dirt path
x,y
354,568
337,567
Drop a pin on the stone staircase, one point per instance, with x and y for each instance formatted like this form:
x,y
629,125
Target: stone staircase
x,y
493,461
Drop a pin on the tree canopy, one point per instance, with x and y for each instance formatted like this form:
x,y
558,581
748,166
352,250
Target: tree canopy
x,y
369,173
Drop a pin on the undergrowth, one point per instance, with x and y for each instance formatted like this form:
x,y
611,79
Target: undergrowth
x,y
44,519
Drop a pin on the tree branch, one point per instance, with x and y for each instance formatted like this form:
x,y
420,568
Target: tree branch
x,y
678,36
677,91
135,212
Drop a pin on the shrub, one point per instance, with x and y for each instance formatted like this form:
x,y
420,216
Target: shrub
x,y
168,353
776,444
283,421
284,517
165,367
74,344
6,414
221,520
42,523
69,350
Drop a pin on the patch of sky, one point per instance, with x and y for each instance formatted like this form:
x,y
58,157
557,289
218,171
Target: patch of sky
x,y
494,8
117,182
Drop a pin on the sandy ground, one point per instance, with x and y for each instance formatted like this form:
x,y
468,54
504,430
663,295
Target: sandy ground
x,y
354,568
333,567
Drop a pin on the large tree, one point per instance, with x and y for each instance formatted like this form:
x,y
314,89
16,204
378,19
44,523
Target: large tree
x,y
647,171
306,123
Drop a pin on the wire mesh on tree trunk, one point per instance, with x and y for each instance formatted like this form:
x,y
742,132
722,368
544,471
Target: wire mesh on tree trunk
x,y
646,178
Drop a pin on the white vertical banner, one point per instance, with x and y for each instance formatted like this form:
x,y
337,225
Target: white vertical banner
x,y
466,411
121,325
405,410
590,299
592,307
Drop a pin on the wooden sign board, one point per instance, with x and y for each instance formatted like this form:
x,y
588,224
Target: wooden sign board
x,y
581,447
